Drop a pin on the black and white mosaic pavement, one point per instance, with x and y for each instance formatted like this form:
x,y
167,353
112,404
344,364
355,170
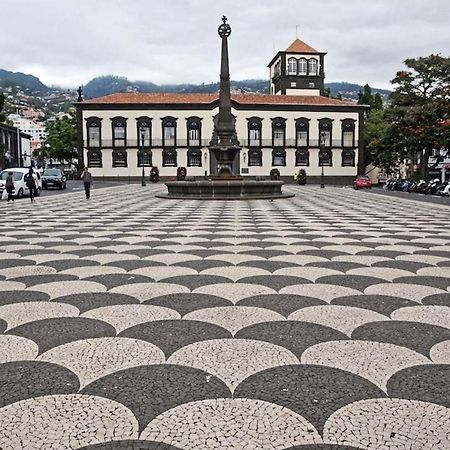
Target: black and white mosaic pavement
x,y
318,322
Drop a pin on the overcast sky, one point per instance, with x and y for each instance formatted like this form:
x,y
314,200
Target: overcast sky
x,y
68,42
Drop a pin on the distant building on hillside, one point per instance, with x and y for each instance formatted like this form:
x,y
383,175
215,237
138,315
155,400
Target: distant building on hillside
x,y
294,126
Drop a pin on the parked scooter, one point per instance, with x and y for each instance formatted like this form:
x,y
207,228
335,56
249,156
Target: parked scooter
x,y
432,187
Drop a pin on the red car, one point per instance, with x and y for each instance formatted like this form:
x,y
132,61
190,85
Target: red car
x,y
362,182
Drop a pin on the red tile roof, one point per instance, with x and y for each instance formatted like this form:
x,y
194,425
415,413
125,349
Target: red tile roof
x,y
299,46
245,99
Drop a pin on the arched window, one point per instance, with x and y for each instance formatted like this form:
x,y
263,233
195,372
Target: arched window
x,y
194,130
169,158
144,157
119,131
169,125
325,132
302,157
144,129
292,66
312,66
278,157
94,158
302,132
94,132
325,157
254,125
255,157
348,158
302,66
278,132
119,158
348,133
194,158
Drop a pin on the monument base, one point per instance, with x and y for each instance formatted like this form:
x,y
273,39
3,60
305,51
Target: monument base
x,y
224,190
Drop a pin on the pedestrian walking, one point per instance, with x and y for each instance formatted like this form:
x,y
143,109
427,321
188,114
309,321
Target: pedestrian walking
x,y
86,176
31,183
9,186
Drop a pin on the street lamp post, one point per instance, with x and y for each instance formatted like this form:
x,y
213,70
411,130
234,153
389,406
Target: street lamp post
x,y
142,157
321,157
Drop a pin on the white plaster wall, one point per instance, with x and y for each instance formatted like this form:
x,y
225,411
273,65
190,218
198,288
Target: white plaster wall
x,y
312,92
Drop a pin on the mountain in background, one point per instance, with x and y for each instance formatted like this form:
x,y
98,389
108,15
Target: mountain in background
x,y
22,80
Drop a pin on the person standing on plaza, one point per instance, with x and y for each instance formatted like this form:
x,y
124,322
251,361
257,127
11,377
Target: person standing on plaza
x,y
9,186
86,176
31,183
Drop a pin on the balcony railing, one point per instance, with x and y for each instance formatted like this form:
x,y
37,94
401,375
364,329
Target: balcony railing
x,y
158,143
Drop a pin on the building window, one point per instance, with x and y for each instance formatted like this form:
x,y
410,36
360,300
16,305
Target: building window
x,y
348,133
292,66
144,158
254,132
278,132
325,157
325,130
255,157
144,128
302,132
94,132
278,158
194,158
119,131
312,67
302,157
94,158
119,158
302,66
169,125
169,158
194,131
348,158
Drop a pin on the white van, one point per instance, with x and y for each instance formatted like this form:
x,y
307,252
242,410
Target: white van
x,y
20,187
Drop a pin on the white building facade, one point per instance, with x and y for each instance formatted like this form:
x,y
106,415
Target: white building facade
x,y
291,128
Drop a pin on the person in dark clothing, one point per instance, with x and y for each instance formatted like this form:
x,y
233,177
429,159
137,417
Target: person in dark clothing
x,y
86,176
31,182
9,186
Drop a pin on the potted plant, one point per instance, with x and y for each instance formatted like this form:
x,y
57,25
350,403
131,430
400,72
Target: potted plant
x,y
154,174
274,174
301,177
181,173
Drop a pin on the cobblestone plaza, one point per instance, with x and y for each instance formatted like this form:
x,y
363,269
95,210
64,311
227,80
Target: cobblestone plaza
x,y
316,322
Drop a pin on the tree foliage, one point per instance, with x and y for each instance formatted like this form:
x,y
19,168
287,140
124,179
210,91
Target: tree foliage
x,y
2,105
62,139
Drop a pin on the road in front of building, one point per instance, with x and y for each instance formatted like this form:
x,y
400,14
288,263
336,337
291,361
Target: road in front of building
x,y
75,186
411,196
129,321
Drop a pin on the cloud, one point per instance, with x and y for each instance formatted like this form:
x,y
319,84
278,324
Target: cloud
x,y
69,42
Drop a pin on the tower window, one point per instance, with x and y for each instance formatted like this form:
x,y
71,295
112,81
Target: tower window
x,y
292,66
302,67
312,67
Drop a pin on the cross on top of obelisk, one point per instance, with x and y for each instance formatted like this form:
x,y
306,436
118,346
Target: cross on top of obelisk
x,y
224,29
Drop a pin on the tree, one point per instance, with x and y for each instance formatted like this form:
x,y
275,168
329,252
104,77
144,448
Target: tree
x,y
421,107
62,139
2,105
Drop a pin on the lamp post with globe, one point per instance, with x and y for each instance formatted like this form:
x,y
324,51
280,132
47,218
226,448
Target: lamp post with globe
x,y
143,183
322,155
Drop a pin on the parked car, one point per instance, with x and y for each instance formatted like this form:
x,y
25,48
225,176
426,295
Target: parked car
x,y
54,178
362,182
20,187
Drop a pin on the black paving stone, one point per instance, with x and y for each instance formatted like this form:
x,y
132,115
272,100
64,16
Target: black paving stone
x,y
427,383
143,252
358,282
49,333
266,253
329,254
437,282
150,390
133,264
384,253
419,337
33,280
444,263
171,335
119,279
293,335
186,303
3,326
20,380
314,392
382,304
131,445
195,281
268,265
410,266
341,266
66,264
205,253
7,263
7,297
284,304
203,264
323,447
90,252
92,300
437,299
276,282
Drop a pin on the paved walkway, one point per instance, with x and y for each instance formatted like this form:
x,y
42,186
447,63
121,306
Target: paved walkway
x,y
318,322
